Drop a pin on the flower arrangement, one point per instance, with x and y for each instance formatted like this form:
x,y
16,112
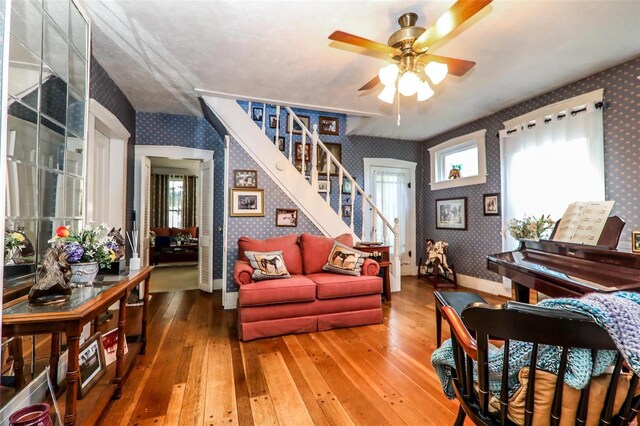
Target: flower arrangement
x,y
529,227
13,241
89,244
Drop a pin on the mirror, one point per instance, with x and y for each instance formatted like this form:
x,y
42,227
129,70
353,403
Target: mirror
x,y
46,140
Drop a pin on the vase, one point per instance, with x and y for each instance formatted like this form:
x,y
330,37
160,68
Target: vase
x,y
83,274
33,415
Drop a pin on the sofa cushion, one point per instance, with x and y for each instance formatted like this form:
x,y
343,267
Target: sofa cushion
x,y
180,231
288,244
267,265
161,232
294,289
316,249
345,260
193,231
331,286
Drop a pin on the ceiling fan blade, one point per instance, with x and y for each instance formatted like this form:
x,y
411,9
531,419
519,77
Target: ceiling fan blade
x,y
458,67
452,18
363,42
371,84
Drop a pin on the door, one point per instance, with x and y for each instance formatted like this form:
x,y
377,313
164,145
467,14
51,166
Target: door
x,y
145,214
205,236
393,194
98,182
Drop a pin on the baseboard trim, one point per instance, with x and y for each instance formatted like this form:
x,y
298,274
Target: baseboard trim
x,y
230,300
217,283
481,284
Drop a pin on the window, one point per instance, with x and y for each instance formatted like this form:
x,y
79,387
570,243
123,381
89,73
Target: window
x,y
175,201
465,154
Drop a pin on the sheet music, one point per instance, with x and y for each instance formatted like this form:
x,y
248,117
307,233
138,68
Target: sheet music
x,y
583,222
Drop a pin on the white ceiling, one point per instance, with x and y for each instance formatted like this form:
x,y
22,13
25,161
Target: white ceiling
x,y
158,51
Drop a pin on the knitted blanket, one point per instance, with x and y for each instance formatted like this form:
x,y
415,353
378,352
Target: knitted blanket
x,y
618,313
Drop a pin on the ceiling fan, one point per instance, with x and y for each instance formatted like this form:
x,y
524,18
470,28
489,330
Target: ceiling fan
x,y
409,49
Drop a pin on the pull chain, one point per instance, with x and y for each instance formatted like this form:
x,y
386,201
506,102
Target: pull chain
x,y
398,93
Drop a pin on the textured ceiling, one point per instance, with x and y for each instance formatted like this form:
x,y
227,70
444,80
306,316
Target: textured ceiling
x,y
158,51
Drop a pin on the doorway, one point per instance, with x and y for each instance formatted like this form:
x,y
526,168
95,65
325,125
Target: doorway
x,y
392,186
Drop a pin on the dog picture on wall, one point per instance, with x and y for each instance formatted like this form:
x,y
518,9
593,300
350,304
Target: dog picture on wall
x,y
287,218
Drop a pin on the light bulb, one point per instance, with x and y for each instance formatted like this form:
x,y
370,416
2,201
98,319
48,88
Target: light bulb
x,y
388,74
424,91
388,94
436,71
408,84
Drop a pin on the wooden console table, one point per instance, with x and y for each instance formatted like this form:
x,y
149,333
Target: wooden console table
x,y
85,304
384,260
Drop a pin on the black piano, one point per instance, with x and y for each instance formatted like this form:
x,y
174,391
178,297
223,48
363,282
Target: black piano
x,y
560,269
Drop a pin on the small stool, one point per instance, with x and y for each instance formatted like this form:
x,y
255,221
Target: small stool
x,y
458,300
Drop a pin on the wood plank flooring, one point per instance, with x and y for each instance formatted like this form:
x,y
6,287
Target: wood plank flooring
x,y
196,372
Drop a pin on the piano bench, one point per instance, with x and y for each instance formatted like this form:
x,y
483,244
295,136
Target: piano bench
x,y
458,300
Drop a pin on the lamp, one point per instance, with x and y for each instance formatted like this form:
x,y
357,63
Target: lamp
x,y
424,91
388,74
388,94
436,71
408,83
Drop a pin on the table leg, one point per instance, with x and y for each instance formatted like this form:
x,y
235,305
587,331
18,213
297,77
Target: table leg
x,y
73,373
18,361
145,316
387,284
96,324
522,292
122,320
54,358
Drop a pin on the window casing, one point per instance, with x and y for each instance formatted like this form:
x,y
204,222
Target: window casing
x,y
466,153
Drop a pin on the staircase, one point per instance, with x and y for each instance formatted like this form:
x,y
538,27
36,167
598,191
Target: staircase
x,y
299,179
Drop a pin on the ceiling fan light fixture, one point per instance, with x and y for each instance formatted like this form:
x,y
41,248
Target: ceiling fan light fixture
x,y
424,91
388,94
436,71
388,75
408,83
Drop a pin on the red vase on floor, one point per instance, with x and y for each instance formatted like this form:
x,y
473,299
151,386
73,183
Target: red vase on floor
x,y
33,415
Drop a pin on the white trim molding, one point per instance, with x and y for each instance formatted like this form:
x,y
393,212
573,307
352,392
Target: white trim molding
x,y
487,286
475,138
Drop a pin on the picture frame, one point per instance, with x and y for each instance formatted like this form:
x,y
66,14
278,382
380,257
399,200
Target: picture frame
x,y
451,213
346,185
273,121
246,202
491,204
329,125
635,241
245,178
298,152
297,130
91,364
324,186
110,346
336,150
346,210
287,218
279,143
256,113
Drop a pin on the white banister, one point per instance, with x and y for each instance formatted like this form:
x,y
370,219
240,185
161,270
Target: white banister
x,y
314,157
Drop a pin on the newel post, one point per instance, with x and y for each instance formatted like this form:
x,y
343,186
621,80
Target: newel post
x,y
397,273
314,160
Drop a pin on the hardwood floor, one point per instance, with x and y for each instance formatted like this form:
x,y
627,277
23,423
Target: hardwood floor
x,y
196,372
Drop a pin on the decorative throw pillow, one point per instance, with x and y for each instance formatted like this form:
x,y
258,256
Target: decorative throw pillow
x,y
345,260
267,265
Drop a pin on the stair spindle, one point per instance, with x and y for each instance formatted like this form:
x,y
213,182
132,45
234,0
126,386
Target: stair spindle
x,y
327,155
277,125
290,129
353,199
303,153
249,109
362,213
264,118
340,175
314,156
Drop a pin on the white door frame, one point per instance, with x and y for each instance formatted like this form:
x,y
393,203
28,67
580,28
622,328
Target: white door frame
x,y
172,152
104,121
411,226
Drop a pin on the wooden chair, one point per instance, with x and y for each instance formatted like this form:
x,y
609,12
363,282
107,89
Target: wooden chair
x,y
540,326
458,300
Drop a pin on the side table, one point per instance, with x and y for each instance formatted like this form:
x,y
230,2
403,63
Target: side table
x,y
380,254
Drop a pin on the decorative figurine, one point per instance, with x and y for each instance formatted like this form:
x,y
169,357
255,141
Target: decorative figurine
x,y
455,172
52,279
116,234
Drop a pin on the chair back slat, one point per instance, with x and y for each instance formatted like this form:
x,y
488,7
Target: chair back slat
x,y
531,387
625,412
482,341
607,410
458,357
504,387
556,407
583,405
469,375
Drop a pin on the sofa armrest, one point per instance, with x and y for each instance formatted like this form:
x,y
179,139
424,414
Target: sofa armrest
x,y
370,267
243,273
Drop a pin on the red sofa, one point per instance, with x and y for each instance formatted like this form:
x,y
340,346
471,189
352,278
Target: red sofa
x,y
312,299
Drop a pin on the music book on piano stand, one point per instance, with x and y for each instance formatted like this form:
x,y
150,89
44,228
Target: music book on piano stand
x,y
583,222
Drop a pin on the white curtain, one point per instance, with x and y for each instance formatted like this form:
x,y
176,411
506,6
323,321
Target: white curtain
x,y
390,195
552,164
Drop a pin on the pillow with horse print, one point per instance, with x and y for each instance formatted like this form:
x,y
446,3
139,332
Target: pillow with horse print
x,y
267,265
345,260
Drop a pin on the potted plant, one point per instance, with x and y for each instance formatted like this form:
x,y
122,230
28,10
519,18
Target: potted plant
x,y
88,250
529,227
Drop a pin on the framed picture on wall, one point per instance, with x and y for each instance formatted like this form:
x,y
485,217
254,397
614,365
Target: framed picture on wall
x,y
346,185
297,130
635,241
329,125
324,186
247,202
279,143
273,121
245,178
287,218
323,163
346,210
451,213
256,113
491,204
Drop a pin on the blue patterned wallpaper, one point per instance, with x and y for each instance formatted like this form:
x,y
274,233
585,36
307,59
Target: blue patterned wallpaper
x,y
468,249
191,132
